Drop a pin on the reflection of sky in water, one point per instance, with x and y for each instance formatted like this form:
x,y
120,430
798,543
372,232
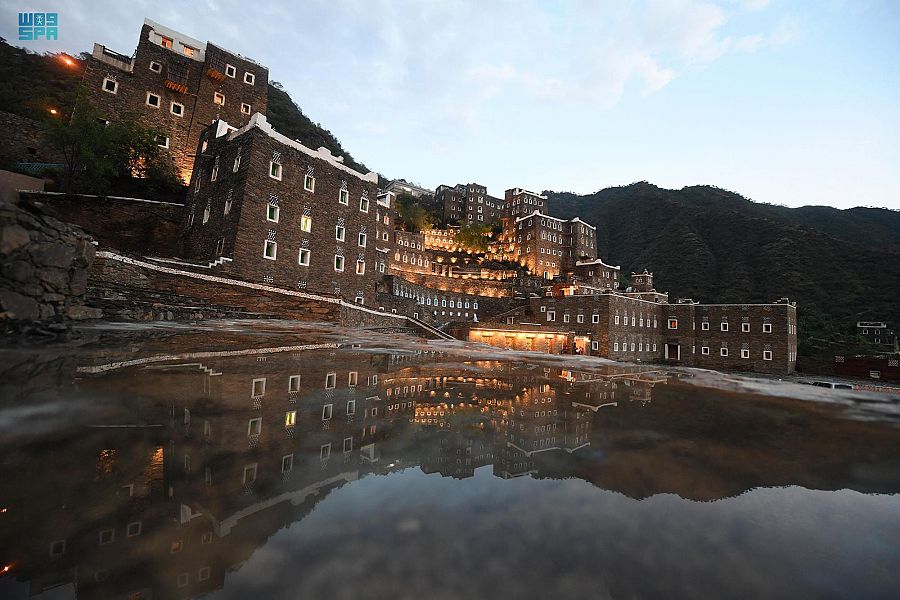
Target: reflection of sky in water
x,y
521,538
585,480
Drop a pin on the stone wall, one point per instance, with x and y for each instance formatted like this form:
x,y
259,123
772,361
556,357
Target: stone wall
x,y
126,224
45,265
23,141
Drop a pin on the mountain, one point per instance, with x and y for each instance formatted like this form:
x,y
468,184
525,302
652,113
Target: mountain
x,y
713,245
35,83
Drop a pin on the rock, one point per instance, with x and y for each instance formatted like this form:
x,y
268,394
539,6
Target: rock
x,y
13,237
80,313
57,279
169,315
18,270
18,306
53,255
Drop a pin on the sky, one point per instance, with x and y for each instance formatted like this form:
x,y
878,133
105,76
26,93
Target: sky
x,y
784,101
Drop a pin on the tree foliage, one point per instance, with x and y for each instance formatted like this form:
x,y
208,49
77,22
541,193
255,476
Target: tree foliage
x,y
474,237
97,155
413,215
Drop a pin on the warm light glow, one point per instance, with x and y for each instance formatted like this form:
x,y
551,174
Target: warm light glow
x,y
53,111
5,569
69,62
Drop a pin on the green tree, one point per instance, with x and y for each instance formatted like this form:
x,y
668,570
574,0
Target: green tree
x,y
96,154
415,217
474,237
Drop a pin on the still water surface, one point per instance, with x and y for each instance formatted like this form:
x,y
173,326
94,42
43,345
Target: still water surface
x,y
253,461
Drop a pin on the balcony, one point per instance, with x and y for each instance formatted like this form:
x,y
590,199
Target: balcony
x,y
177,78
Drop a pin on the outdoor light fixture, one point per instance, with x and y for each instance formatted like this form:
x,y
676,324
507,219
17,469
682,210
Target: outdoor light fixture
x,y
53,111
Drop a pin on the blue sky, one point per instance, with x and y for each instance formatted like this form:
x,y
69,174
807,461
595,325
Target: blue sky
x,y
788,102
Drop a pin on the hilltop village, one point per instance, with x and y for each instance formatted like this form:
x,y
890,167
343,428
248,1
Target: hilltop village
x,y
266,212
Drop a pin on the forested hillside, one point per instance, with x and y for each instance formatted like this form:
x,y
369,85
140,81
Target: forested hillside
x,y
713,245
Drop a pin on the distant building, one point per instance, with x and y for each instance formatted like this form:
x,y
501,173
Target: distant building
x,y
177,84
469,204
401,186
875,332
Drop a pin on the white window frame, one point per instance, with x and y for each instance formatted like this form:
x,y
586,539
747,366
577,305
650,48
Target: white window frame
x,y
330,380
300,257
294,383
172,109
670,321
745,353
254,426
327,412
343,233
115,83
704,325
158,69
767,355
166,144
723,351
158,100
767,328
338,267
724,326
274,246
344,197
361,240
253,383
360,268
272,209
704,350
249,78
278,171
306,223
745,327
595,318
216,96
233,73
309,183
246,106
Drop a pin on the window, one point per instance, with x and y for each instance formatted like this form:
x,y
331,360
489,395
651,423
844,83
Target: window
x,y
595,318
110,85
724,326
254,426
230,71
344,197
294,383
745,353
306,223
704,325
272,213
249,78
360,267
258,388
579,319
107,536
155,66
245,108
551,315
595,345
237,162
183,579
165,42
566,318
153,100
325,451
339,233
228,205
364,204
704,350
351,407
203,574
275,171
673,323
215,171
362,240
330,380
352,378
767,355
723,351
287,463
290,418
133,529
309,183
219,98
303,259
188,51
767,328
745,327
326,412
250,473
58,548
163,142
270,250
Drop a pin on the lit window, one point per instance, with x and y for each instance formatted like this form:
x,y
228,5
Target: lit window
x,y
270,250
177,109
230,71
275,170
673,323
110,86
249,78
360,267
344,197
219,98
272,213
245,108
166,42
188,51
290,418
155,66
303,259
306,223
153,100
309,183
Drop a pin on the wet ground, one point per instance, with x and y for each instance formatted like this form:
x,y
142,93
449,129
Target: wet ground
x,y
278,460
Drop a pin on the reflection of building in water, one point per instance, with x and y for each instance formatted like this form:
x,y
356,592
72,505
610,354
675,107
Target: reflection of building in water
x,y
232,448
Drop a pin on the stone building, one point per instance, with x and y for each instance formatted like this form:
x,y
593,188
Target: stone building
x,y
273,211
469,204
176,84
548,245
875,332
521,202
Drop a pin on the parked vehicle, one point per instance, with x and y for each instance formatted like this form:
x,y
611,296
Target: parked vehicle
x,y
832,385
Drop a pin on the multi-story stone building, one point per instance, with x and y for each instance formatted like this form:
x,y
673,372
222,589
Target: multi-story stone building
x,y
401,186
177,85
875,332
276,212
521,202
549,246
470,204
